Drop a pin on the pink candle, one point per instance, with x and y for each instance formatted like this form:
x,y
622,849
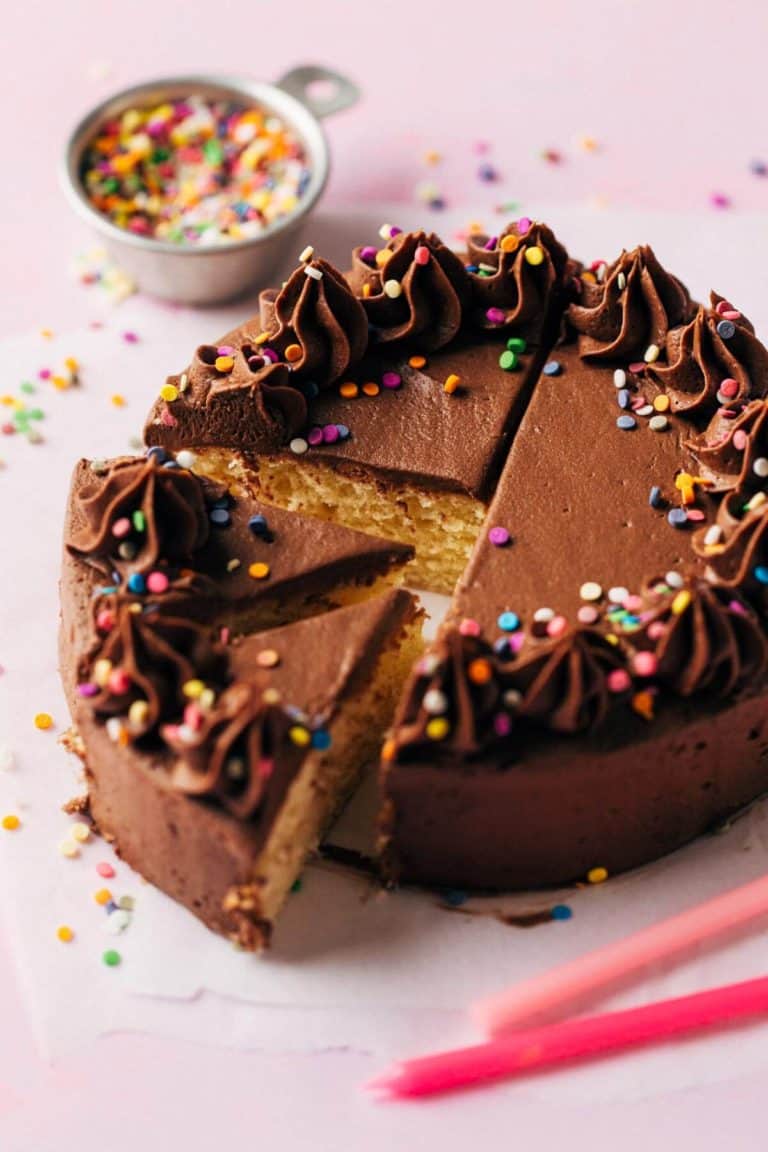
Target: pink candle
x,y
554,1044
553,991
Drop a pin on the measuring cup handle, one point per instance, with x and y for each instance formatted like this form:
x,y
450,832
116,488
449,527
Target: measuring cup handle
x,y
337,91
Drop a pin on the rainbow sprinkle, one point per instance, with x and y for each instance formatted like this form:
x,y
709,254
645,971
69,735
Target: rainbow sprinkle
x,y
196,171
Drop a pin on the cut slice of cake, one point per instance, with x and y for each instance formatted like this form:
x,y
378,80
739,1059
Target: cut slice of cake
x,y
599,694
406,435
214,769
150,529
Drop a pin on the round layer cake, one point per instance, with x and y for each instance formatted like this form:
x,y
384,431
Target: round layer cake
x,y
580,455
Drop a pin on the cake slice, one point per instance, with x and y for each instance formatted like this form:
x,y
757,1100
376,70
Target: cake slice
x,y
408,437
148,529
215,769
599,693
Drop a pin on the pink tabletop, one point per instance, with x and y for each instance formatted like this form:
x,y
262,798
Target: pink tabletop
x,y
646,105
665,91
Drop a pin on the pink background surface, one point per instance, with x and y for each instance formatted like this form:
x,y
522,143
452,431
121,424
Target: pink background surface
x,y
670,93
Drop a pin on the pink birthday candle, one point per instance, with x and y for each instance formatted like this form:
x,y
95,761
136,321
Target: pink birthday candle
x,y
553,1044
569,983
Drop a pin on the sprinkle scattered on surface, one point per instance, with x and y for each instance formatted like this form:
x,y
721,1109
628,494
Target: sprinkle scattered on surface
x,y
80,832
95,268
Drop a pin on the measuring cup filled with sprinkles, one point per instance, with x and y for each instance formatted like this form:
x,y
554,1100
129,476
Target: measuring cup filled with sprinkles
x,y
197,184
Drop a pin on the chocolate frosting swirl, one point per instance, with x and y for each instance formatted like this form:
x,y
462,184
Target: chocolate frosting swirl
x,y
158,513
466,699
256,393
459,685
147,657
563,681
701,356
739,559
183,593
635,305
707,640
516,292
719,451
316,316
232,751
316,310
432,288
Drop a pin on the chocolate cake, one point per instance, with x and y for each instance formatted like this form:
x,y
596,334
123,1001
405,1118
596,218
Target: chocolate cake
x,y
148,529
598,692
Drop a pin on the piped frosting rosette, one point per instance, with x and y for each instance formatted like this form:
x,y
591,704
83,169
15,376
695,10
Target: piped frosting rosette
x,y
144,669
715,360
414,290
719,450
736,545
139,514
628,312
261,375
241,747
314,323
465,697
703,638
515,277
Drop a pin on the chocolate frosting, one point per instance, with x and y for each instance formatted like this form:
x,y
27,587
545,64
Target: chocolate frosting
x,y
707,640
157,513
506,282
154,655
262,394
459,682
563,681
322,316
719,451
635,305
559,684
700,359
231,752
742,517
434,291
260,398
703,637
